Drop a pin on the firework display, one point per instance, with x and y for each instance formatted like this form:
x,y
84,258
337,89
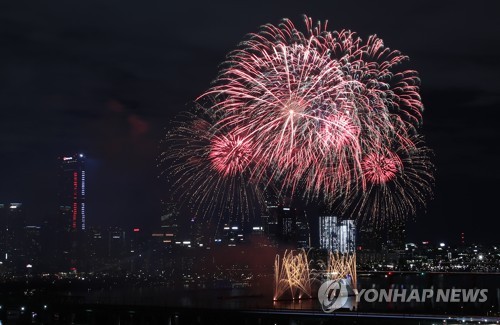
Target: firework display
x,y
341,266
316,113
292,275
209,169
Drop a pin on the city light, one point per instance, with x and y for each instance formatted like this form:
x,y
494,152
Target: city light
x,y
250,164
297,168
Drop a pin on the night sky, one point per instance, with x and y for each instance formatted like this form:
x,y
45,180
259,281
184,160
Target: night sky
x,y
106,77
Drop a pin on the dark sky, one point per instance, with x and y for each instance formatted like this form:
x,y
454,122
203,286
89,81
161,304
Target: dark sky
x,y
105,78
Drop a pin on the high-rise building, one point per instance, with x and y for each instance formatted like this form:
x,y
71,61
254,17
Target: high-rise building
x,y
116,243
335,236
96,245
395,234
169,220
270,219
286,221
347,236
328,233
12,232
303,232
167,234
72,194
369,238
389,238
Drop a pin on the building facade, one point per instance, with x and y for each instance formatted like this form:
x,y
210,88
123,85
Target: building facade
x,y
337,236
72,187
328,233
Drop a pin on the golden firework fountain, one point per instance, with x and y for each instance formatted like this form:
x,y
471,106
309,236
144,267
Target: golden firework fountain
x,y
293,275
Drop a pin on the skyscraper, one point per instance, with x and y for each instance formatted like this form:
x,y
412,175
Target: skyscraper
x,y
328,233
347,237
303,232
335,236
12,239
286,223
395,236
169,221
72,191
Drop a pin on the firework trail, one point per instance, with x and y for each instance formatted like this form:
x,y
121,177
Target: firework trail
x,y
398,182
292,275
318,113
209,168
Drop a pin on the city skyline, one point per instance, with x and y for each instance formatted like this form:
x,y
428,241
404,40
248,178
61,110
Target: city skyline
x,y
253,162
118,120
278,212
63,208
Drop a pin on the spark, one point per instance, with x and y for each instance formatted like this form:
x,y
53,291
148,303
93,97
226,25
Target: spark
x,y
316,113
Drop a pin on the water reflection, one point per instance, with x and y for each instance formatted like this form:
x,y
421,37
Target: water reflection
x,y
261,296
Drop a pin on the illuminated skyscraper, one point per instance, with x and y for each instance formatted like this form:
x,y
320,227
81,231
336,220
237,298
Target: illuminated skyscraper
x,y
72,191
328,233
347,237
335,236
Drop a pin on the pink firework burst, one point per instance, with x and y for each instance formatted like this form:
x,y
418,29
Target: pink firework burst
x,y
230,154
319,113
209,168
380,168
398,183
288,99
